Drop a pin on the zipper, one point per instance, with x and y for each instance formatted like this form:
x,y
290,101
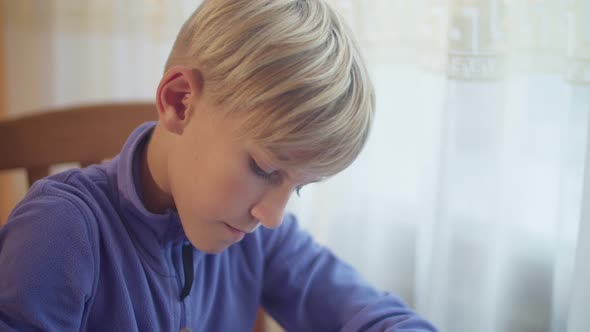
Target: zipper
x,y
183,326
189,274
189,271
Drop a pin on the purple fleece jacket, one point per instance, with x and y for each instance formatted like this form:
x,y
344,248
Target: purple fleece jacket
x,y
81,253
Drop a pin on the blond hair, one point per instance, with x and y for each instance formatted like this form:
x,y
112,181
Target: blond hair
x,y
292,68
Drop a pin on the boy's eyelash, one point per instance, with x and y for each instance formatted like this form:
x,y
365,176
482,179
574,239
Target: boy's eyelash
x,y
258,171
298,190
262,174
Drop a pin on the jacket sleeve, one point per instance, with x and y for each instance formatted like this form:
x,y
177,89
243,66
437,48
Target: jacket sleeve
x,y
46,266
306,288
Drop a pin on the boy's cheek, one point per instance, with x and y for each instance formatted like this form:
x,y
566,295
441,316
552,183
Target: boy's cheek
x,y
239,184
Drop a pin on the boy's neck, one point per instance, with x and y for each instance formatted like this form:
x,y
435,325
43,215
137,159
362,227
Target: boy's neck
x,y
156,195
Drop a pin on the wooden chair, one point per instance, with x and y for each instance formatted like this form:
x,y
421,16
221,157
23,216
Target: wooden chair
x,y
85,135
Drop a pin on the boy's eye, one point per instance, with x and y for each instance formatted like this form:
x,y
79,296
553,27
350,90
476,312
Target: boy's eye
x,y
258,171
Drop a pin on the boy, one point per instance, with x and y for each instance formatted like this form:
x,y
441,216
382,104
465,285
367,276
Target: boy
x,y
258,98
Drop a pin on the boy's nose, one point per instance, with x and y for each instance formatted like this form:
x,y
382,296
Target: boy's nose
x,y
269,209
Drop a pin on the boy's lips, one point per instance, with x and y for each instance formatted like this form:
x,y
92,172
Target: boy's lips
x,y
235,228
246,230
235,233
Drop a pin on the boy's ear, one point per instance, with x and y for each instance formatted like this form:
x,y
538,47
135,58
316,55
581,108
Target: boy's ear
x,y
179,88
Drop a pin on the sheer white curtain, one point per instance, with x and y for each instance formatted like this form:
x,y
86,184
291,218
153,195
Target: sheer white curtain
x,y
62,52
470,200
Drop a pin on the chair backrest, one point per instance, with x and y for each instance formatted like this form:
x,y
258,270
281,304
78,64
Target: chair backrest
x,y
83,134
